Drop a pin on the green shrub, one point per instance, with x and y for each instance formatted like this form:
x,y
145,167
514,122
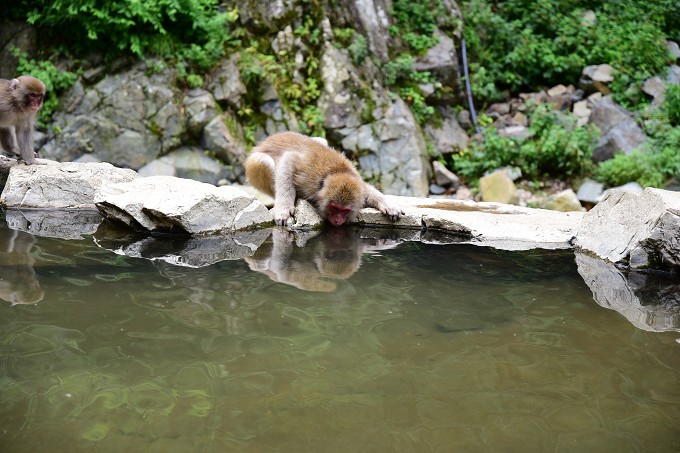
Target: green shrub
x,y
191,30
556,148
416,22
521,45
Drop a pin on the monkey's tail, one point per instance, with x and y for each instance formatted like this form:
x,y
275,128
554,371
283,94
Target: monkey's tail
x,y
260,172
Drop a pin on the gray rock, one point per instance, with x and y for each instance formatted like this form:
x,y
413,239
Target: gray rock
x,y
498,187
179,206
15,35
620,133
185,162
624,293
625,137
673,76
436,189
224,137
371,18
596,78
465,120
443,176
516,132
267,15
488,224
226,84
624,223
401,164
565,201
59,186
590,191
200,109
306,217
441,60
127,119
449,137
656,88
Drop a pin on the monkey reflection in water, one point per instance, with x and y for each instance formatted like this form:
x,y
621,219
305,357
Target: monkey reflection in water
x,y
311,260
18,282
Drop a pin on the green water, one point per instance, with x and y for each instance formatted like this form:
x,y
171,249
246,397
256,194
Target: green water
x,y
409,348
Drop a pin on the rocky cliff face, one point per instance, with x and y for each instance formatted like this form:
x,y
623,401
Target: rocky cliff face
x,y
140,117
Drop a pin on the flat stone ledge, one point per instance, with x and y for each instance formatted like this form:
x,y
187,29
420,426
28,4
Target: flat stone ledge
x,y
497,225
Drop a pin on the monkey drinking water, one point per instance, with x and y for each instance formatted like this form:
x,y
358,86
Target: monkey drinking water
x,y
289,165
20,100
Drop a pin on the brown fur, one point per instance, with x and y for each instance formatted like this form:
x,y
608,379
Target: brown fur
x,y
20,100
310,170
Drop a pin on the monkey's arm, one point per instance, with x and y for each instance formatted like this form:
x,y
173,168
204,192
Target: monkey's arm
x,y
373,198
284,189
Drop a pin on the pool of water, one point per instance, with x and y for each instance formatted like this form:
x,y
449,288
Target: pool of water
x,y
330,343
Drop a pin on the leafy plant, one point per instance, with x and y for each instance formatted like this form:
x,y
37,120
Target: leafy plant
x,y
555,148
523,45
416,22
192,30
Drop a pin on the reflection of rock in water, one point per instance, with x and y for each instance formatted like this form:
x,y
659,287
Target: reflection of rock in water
x,y
18,282
63,224
311,260
648,301
187,251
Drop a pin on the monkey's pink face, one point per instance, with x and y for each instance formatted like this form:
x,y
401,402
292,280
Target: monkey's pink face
x,y
35,101
337,215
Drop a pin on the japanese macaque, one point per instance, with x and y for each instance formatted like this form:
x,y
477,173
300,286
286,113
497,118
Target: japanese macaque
x,y
289,165
20,100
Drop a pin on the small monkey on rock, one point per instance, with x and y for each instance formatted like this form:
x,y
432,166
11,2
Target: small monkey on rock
x,y
289,165
20,100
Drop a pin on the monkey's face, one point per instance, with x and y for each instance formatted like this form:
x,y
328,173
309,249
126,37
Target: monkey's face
x,y
35,101
337,214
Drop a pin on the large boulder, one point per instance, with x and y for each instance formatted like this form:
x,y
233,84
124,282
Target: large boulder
x,y
382,132
641,230
177,205
127,119
619,131
66,185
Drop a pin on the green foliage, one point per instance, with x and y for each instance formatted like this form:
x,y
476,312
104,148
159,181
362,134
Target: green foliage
x,y
523,45
556,148
671,104
358,49
416,23
191,30
56,81
297,86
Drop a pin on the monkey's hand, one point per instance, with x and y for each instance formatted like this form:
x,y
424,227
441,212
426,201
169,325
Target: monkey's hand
x,y
393,212
282,214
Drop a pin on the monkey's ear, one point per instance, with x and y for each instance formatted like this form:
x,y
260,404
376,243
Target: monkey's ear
x,y
14,84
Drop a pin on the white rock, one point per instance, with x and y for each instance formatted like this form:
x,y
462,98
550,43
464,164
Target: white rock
x,y
168,204
67,185
643,227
